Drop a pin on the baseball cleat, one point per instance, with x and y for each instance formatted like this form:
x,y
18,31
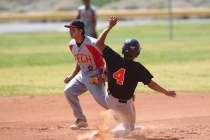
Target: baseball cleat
x,y
79,124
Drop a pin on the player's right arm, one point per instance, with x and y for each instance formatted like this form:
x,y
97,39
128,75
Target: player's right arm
x,y
102,37
75,72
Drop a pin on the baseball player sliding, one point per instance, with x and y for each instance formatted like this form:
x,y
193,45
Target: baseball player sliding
x,y
90,61
123,77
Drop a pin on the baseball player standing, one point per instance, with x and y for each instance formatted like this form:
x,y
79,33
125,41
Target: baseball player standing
x,y
90,61
87,14
123,77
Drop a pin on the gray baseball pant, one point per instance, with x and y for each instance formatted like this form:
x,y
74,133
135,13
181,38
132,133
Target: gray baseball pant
x,y
80,84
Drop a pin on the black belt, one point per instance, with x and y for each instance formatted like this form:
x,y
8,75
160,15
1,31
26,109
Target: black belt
x,y
120,101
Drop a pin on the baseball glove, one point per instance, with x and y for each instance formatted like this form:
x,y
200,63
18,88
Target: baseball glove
x,y
97,79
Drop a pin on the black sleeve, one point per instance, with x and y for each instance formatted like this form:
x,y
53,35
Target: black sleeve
x,y
144,75
109,54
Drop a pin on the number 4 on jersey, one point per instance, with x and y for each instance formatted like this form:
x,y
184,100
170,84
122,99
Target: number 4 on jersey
x,y
119,76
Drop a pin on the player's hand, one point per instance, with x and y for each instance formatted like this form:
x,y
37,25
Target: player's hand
x,y
67,79
112,21
171,93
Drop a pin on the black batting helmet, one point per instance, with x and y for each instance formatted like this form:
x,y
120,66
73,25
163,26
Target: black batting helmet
x,y
131,48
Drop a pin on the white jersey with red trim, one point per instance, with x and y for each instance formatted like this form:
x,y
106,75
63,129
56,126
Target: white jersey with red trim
x,y
87,55
88,16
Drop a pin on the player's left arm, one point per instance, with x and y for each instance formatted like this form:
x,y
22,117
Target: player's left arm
x,y
78,13
102,37
153,85
94,22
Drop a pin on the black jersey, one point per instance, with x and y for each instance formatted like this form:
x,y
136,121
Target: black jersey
x,y
124,74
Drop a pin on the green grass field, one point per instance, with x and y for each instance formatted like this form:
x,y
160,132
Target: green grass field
x,y
37,63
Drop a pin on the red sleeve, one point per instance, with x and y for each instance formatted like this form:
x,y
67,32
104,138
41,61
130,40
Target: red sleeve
x,y
70,47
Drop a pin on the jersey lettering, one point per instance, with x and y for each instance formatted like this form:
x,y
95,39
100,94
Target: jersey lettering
x,y
83,58
119,76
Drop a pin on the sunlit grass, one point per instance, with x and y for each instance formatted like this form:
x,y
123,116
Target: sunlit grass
x,y
37,63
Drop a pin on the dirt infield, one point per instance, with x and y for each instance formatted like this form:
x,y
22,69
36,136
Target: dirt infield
x,y
187,117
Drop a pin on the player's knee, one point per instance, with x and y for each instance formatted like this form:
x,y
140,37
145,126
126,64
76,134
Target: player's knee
x,y
66,91
102,102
